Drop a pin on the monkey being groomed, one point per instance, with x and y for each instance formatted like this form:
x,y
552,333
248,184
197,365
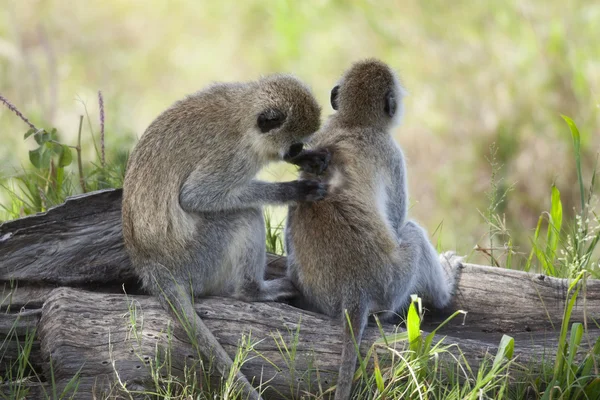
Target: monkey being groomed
x,y
192,209
354,250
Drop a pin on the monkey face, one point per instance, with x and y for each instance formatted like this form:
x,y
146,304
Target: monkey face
x,y
294,151
290,115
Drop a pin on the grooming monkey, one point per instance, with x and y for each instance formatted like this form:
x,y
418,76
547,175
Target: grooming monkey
x,y
354,250
192,218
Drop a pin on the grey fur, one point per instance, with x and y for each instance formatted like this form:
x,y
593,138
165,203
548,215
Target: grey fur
x,y
192,217
354,250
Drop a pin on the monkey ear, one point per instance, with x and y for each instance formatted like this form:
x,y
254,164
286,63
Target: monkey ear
x,y
334,96
390,104
270,119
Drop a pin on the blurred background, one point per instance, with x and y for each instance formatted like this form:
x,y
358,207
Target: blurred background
x,y
487,83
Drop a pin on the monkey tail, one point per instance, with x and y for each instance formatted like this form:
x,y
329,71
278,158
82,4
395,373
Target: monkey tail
x,y
178,302
358,314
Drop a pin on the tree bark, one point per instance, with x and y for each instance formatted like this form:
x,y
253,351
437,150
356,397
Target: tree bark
x,y
105,338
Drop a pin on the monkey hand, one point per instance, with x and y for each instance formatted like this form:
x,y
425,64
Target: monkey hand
x,y
310,190
311,161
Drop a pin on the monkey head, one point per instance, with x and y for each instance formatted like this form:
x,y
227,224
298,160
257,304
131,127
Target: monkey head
x,y
286,115
368,94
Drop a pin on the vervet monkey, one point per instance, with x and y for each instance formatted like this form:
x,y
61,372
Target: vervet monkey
x,y
354,250
192,214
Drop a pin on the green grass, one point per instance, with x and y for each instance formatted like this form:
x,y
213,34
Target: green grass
x,y
48,180
482,76
406,365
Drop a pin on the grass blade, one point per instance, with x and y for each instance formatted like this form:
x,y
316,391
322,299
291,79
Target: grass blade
x,y
534,241
413,328
554,225
506,350
592,390
378,375
577,148
558,374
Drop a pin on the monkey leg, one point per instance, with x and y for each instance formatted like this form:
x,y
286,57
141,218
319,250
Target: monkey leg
x,y
301,299
176,299
249,261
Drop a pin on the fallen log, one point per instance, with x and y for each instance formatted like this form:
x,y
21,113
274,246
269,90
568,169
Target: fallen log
x,y
102,336
98,339
86,332
79,244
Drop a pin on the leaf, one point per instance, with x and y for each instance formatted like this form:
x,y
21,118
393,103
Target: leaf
x,y
505,350
40,157
377,373
40,137
53,135
66,156
55,148
29,133
413,327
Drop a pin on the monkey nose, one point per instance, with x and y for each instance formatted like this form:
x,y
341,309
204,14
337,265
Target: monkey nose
x,y
293,151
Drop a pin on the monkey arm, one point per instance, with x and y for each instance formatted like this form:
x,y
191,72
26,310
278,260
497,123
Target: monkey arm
x,y
216,196
398,198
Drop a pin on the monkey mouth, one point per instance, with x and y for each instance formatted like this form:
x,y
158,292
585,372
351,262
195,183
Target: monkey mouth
x,y
294,150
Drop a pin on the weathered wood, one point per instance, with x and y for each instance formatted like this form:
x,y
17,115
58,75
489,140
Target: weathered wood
x,y
14,297
501,300
79,243
99,334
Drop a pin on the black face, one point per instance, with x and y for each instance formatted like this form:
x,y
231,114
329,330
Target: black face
x,y
390,104
270,119
334,96
294,150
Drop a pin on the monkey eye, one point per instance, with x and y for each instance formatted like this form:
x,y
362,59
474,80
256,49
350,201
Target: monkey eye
x,y
334,96
270,119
